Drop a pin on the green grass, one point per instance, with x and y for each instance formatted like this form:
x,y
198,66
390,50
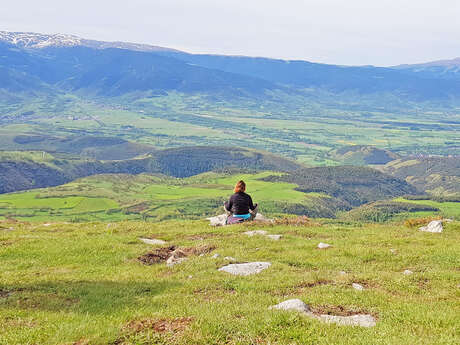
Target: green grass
x,y
306,131
106,197
69,284
447,209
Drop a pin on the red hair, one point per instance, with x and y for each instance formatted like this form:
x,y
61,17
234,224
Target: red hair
x,y
240,187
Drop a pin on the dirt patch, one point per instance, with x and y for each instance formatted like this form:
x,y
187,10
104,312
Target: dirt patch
x,y
163,254
158,325
338,310
157,256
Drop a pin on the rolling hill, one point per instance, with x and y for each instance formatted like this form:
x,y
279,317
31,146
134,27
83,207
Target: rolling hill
x,y
27,170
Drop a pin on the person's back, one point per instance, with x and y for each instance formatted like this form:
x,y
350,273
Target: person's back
x,y
240,204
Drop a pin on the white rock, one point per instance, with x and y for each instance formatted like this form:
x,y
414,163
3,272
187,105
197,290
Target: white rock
x,y
433,226
46,224
292,304
190,277
152,241
174,261
357,286
261,218
215,256
230,258
255,232
176,257
245,269
342,273
220,220
322,245
407,272
363,320
275,237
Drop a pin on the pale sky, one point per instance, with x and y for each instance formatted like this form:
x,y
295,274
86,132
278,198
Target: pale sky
x,y
348,32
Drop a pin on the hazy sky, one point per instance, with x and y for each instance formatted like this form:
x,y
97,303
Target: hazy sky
x,y
353,32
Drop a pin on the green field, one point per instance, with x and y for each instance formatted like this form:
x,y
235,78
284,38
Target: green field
x,y
306,131
82,284
116,197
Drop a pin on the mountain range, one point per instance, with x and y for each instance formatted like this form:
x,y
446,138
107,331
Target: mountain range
x,y
31,62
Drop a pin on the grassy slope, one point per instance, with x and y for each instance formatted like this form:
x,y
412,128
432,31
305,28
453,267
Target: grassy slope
x,y
65,283
107,197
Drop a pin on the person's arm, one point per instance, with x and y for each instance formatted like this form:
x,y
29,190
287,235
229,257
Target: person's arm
x,y
229,204
251,205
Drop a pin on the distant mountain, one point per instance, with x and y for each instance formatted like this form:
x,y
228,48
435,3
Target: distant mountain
x,y
33,40
32,62
331,78
444,69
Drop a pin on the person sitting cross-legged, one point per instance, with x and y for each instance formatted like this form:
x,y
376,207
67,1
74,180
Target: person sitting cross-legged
x,y
240,207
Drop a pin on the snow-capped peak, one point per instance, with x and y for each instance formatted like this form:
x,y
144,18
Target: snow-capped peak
x,y
38,41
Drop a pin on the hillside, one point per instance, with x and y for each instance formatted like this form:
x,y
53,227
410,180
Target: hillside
x,y
435,175
22,170
352,185
363,155
97,283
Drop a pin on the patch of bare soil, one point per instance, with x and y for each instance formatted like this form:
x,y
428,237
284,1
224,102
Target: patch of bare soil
x,y
157,255
164,253
338,310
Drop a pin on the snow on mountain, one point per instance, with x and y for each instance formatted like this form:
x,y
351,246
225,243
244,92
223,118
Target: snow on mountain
x,y
31,40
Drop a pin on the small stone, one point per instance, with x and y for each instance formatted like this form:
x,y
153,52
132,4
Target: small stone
x,y
229,258
220,220
342,273
46,224
274,237
255,232
363,320
176,257
322,245
174,261
215,256
357,286
292,304
152,241
202,254
245,269
257,248
190,277
407,272
433,226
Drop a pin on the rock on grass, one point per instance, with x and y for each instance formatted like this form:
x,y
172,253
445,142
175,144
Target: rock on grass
x,y
245,269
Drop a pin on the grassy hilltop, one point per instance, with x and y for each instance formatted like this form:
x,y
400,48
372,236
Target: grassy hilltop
x,y
83,284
